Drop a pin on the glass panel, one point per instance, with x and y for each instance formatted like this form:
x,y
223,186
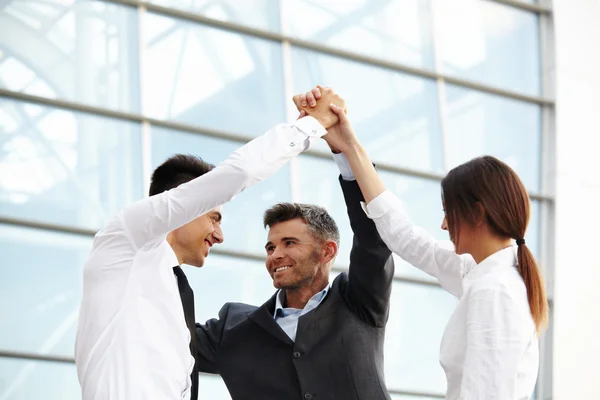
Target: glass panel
x,y
423,204
39,299
242,219
64,167
490,43
213,387
83,51
479,123
25,379
395,115
532,236
418,317
318,184
228,279
397,30
209,77
262,14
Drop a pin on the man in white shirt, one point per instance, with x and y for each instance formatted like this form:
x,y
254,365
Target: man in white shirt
x,y
133,337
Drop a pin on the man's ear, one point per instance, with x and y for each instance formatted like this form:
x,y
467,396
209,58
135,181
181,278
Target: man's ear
x,y
329,251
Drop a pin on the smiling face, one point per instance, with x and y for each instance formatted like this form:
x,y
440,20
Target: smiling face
x,y
295,257
192,242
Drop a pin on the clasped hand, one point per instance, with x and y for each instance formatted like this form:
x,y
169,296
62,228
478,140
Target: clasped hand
x,y
327,107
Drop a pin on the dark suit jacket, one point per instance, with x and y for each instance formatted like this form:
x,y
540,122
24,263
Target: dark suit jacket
x,y
338,353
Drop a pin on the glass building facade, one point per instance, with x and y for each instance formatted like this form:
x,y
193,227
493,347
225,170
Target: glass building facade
x,y
95,94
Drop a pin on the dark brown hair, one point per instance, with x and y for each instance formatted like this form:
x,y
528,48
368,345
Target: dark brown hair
x,y
176,170
488,183
319,222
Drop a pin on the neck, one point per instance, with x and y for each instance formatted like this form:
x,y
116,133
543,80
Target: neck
x,y
174,247
297,298
486,248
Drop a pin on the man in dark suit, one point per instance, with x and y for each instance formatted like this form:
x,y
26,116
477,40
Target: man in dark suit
x,y
311,339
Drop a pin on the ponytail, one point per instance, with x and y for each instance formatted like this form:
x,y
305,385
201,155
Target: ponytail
x,y
536,289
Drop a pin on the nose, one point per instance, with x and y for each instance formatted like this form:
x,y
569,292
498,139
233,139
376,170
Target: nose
x,y
444,224
218,234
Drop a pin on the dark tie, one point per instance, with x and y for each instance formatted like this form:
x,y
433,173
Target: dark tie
x,y
187,300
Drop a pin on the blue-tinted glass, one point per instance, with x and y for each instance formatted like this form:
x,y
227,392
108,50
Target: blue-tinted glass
x,y
40,289
211,78
397,30
25,379
418,316
263,14
395,115
225,279
490,43
422,202
479,123
318,184
213,387
242,218
532,236
84,51
64,167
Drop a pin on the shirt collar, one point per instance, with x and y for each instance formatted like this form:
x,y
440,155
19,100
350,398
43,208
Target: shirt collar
x,y
280,297
506,257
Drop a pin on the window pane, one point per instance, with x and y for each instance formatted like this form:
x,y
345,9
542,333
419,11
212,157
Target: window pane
x,y
397,30
39,299
418,317
318,184
532,236
490,43
228,279
211,78
423,204
26,379
242,217
405,397
83,51
479,123
213,387
64,167
262,14
395,115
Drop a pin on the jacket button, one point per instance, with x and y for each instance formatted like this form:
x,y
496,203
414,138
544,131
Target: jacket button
x,y
297,354
308,396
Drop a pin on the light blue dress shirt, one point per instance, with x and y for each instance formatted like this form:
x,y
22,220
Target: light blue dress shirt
x,y
287,318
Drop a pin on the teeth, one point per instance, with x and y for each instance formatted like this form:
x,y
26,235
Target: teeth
x,y
282,268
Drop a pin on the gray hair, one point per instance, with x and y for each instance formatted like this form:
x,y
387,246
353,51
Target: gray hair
x,y
319,222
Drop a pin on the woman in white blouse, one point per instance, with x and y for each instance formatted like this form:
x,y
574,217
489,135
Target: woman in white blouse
x,y
489,349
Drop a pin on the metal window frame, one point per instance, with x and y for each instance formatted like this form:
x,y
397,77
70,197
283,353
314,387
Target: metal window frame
x,y
547,198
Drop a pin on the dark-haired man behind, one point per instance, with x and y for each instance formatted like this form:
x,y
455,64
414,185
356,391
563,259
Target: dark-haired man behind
x,y
133,338
311,339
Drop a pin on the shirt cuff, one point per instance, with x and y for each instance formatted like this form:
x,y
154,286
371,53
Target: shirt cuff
x,y
344,166
380,205
310,126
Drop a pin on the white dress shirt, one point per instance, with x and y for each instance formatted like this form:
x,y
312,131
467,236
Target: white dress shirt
x,y
489,350
132,340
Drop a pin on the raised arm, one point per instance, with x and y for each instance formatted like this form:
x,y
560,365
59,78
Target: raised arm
x,y
409,242
149,220
371,264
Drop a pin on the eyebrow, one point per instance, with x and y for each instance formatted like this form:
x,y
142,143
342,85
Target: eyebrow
x,y
283,239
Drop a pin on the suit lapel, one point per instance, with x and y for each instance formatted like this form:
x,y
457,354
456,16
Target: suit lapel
x,y
263,316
